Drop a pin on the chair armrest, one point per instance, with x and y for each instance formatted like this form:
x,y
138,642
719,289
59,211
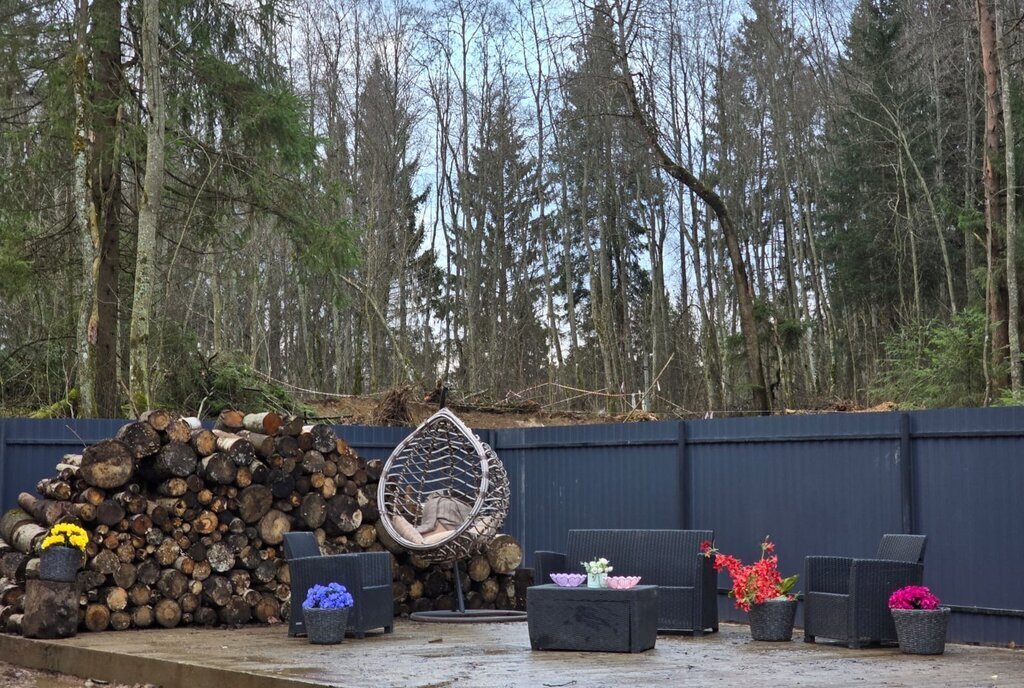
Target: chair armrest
x,y
546,563
883,577
872,581
827,574
375,566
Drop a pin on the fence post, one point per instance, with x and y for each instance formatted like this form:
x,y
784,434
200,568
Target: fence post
x,y
684,474
906,460
3,462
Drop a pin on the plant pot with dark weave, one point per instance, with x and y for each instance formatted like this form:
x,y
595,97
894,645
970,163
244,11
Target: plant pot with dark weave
x,y
325,626
921,631
57,563
773,620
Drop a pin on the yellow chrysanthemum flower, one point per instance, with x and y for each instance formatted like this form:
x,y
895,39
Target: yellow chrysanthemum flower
x,y
66,535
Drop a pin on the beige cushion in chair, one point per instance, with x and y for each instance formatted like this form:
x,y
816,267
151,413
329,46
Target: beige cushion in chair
x,y
406,530
442,511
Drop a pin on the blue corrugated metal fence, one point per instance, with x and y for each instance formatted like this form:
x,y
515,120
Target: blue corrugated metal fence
x,y
819,484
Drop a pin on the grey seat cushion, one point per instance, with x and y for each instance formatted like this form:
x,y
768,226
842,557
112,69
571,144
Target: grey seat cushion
x,y
443,511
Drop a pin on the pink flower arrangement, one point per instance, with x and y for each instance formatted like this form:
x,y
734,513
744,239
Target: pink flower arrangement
x,y
752,583
913,597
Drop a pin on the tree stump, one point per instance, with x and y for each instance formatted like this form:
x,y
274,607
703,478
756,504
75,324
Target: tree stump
x,y
51,609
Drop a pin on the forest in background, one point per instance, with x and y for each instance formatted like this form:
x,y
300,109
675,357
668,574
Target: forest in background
x,y
684,206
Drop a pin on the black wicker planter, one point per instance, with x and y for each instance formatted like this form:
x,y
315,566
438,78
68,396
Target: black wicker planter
x,y
325,626
921,631
772,620
58,563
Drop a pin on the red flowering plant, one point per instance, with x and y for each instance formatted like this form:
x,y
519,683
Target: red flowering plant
x,y
753,583
913,597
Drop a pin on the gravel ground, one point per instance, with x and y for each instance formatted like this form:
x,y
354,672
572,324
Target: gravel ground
x,y
12,676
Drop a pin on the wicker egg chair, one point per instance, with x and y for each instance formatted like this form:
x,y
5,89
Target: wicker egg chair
x,y
443,495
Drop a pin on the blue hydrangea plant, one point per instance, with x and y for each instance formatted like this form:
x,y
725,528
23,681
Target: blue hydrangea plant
x,y
330,596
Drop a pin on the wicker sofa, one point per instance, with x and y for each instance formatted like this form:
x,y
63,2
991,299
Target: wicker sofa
x,y
848,599
670,559
367,575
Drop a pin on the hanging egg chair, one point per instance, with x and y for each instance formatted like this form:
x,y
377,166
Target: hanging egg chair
x,y
443,495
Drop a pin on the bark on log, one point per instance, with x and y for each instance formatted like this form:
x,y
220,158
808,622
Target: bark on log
x,y
267,423
20,531
264,445
238,448
49,511
54,488
51,609
230,420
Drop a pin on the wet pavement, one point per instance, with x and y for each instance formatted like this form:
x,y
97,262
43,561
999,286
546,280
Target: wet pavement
x,y
494,656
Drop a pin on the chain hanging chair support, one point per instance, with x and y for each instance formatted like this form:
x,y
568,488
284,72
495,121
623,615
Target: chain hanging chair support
x,y
443,495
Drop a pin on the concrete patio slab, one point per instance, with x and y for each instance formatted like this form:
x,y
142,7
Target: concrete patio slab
x,y
492,656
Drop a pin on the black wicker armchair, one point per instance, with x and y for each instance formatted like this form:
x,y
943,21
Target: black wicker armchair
x,y
670,559
848,599
367,576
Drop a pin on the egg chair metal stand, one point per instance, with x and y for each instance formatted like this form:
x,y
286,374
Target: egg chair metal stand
x,y
443,495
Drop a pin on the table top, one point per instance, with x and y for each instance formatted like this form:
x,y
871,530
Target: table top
x,y
551,587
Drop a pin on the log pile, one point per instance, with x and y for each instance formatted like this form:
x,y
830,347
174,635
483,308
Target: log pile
x,y
186,525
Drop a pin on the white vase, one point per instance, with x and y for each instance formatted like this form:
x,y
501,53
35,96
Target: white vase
x,y
597,580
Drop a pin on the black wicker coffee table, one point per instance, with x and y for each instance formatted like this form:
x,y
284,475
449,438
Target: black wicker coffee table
x,y
592,619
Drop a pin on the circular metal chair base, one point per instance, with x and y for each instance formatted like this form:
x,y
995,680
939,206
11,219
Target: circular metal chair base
x,y
470,616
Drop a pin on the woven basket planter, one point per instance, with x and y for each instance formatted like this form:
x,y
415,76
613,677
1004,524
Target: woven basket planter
x,y
325,626
59,563
773,620
921,631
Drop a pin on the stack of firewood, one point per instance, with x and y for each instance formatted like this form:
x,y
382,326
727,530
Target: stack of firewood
x,y
186,524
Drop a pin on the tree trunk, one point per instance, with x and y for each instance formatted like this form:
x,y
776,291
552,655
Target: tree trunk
x,y
107,70
744,293
1009,137
149,210
86,330
996,296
